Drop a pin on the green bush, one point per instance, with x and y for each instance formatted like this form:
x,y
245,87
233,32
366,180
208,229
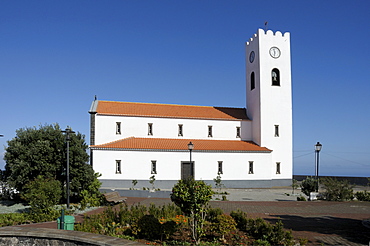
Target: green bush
x,y
302,241
212,214
261,242
12,219
273,234
165,211
363,196
263,232
91,197
309,185
168,228
223,225
131,221
42,194
301,198
149,227
51,214
337,190
241,220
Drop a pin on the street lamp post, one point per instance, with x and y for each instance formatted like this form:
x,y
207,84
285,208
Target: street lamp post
x,y
190,147
67,132
318,147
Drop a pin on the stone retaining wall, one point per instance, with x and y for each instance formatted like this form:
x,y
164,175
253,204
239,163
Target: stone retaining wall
x,y
13,235
353,180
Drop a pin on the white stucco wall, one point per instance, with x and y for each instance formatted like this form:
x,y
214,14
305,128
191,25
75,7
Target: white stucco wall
x,y
269,105
137,165
105,128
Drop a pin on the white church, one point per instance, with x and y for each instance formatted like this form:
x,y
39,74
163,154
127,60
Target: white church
x,y
248,147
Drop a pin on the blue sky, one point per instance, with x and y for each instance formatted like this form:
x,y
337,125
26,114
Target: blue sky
x,y
56,55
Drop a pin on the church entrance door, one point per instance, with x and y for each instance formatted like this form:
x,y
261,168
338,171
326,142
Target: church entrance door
x,y
187,169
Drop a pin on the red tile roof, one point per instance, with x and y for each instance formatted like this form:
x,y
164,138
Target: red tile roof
x,y
169,110
182,144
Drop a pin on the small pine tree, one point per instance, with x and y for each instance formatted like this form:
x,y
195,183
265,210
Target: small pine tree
x,y
294,185
152,180
309,185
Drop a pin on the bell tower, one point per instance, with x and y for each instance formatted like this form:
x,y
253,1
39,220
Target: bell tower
x,y
269,97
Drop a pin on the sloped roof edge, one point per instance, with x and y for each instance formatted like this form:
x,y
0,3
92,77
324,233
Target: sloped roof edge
x,y
167,110
164,144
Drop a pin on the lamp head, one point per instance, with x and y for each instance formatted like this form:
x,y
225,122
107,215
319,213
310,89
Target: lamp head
x,y
318,147
190,146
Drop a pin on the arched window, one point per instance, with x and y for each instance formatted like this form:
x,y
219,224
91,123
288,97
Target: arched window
x,y
275,77
253,85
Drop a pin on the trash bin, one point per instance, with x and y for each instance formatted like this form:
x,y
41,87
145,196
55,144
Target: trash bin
x,y
69,222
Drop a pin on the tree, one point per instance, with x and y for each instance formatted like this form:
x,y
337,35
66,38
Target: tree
x,y
33,152
192,197
295,185
309,185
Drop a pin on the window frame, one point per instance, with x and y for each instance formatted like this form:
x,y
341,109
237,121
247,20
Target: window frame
x,y
153,169
250,169
277,131
220,167
238,132
210,131
118,128
118,167
180,131
150,129
278,167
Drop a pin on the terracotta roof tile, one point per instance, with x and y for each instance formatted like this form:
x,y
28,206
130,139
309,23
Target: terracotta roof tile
x,y
170,110
182,144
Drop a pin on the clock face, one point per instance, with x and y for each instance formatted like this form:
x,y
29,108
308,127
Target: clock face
x,y
275,52
251,56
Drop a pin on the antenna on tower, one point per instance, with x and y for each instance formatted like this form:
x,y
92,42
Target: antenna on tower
x,y
266,23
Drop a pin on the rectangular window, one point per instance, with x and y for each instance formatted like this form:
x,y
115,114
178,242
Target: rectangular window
x,y
220,168
180,133
277,167
118,127
118,166
251,167
238,132
253,84
210,131
276,130
154,167
150,129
